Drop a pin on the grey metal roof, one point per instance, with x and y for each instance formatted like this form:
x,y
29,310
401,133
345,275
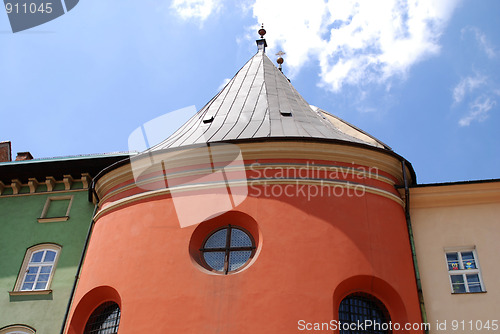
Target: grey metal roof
x,y
260,102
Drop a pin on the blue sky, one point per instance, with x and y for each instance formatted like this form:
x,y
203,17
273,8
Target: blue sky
x,y
423,77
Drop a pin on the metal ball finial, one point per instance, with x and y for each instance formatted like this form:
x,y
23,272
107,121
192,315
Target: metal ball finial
x,y
280,59
262,31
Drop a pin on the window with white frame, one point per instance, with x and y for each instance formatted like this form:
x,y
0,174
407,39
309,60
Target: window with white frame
x,y
464,272
38,268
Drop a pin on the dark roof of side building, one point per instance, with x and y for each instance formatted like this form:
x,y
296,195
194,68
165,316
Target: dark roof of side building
x,y
58,167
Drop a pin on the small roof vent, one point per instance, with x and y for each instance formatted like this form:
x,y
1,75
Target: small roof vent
x,y
208,119
286,113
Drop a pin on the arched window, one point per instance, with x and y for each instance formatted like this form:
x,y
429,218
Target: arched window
x,y
104,320
38,268
17,329
362,308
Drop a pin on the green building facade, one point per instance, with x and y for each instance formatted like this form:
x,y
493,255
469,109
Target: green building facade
x,y
44,221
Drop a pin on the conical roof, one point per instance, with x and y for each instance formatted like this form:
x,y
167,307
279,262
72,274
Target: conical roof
x,y
260,102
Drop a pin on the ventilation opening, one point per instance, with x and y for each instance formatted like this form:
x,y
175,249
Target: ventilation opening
x,y
286,113
208,120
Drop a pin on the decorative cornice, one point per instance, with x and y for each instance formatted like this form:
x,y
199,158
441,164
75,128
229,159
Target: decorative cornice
x,y
375,171
111,206
454,195
50,183
389,167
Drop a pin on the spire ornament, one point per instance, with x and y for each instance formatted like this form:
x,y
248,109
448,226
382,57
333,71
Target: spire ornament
x,y
280,59
262,31
261,43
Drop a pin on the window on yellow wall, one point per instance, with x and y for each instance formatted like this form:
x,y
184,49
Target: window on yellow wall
x,y
464,271
37,269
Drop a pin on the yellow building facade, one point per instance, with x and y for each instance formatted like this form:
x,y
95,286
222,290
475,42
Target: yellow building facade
x,y
456,228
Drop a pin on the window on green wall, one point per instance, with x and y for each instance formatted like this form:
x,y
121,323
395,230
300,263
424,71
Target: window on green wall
x,y
17,329
37,269
56,208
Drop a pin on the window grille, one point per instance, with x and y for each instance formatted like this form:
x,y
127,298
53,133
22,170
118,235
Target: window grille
x,y
228,249
104,320
357,308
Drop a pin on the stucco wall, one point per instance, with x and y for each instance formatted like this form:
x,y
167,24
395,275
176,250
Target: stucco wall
x,y
19,230
449,216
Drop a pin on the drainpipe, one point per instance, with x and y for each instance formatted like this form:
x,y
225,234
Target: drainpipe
x,y
412,246
82,257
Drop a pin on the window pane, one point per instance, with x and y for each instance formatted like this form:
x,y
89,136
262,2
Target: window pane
x,y
468,260
40,285
240,238
238,259
467,256
452,259
217,240
37,257
473,278
458,283
474,283
32,270
43,278
30,278
50,256
27,286
215,260
45,270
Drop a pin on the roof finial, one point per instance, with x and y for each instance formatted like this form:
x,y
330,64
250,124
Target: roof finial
x,y
261,43
280,59
262,31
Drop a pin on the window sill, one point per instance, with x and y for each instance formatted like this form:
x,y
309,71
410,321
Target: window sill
x,y
53,219
29,293
468,293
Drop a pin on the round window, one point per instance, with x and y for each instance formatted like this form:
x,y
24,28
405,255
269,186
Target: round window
x,y
228,249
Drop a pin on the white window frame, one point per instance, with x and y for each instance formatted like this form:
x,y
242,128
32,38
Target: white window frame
x,y
17,329
27,263
461,271
43,217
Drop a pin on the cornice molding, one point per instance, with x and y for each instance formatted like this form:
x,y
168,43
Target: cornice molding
x,y
50,182
388,165
455,195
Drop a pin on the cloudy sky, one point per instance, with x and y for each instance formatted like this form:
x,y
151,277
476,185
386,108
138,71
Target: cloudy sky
x,y
422,76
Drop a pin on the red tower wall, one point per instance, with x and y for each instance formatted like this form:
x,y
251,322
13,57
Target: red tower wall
x,y
312,251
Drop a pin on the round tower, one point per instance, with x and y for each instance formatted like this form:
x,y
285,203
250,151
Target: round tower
x,y
262,214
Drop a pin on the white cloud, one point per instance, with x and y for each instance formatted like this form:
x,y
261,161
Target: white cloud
x,y
355,41
482,40
478,110
467,85
195,9
224,83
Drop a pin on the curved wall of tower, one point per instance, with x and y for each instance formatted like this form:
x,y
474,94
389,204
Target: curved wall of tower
x,y
325,220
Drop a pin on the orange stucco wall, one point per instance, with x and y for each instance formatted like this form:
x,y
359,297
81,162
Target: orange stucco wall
x,y
311,254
